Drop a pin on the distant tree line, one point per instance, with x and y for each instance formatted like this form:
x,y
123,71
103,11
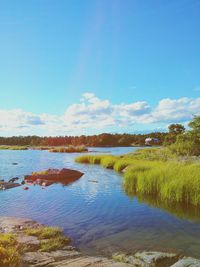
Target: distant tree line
x,y
102,140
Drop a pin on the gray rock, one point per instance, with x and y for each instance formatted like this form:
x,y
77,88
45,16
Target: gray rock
x,y
85,261
7,185
146,259
187,262
151,258
36,259
14,224
31,243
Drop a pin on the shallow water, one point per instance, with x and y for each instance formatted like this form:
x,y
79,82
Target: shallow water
x,y
98,216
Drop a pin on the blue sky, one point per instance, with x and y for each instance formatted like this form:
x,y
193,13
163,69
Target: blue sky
x,y
74,66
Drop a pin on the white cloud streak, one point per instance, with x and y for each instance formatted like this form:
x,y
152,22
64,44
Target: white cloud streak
x,y
97,115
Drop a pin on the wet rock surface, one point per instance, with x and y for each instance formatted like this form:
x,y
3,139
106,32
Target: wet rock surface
x,y
69,256
8,185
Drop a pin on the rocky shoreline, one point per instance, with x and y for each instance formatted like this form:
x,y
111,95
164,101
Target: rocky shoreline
x,y
69,256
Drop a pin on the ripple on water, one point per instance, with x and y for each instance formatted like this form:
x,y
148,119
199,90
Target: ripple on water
x,y
95,214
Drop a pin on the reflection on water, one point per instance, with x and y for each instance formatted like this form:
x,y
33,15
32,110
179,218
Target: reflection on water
x,y
180,210
98,216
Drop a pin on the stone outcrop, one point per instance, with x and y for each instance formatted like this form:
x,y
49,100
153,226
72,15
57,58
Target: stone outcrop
x,y
69,256
50,176
187,261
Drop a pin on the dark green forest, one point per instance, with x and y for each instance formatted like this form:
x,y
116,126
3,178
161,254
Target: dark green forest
x,y
102,140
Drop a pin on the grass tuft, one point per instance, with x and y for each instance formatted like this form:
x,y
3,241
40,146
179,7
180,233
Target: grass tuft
x,y
45,232
54,243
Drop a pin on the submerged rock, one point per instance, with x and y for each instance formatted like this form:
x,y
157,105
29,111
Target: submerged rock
x,y
50,176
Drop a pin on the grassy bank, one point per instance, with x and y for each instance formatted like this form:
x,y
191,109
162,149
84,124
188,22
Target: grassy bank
x,y
69,149
154,172
14,147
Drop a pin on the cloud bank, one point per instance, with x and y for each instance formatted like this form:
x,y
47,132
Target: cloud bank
x,y
93,114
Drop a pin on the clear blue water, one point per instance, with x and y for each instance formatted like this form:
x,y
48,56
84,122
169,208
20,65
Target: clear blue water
x,y
99,217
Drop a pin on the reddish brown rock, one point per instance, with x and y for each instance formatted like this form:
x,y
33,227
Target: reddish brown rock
x,y
50,176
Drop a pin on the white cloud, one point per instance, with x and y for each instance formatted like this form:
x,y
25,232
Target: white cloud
x,y
95,115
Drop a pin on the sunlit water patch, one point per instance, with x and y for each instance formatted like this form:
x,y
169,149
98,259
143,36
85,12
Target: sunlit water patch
x,y
95,211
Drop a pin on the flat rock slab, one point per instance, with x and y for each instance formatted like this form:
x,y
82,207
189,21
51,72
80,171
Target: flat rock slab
x,y
30,242
38,259
85,261
8,185
187,262
14,224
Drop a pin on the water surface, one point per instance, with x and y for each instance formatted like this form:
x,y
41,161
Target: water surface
x,y
98,216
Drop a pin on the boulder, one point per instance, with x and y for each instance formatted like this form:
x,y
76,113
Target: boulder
x,y
50,176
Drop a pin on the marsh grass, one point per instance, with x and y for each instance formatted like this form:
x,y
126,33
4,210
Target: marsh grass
x,y
45,232
171,181
90,159
51,238
122,163
108,161
9,251
69,149
53,243
154,172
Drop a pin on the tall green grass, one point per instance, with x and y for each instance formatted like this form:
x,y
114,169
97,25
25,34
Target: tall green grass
x,y
69,149
89,159
154,172
9,251
171,181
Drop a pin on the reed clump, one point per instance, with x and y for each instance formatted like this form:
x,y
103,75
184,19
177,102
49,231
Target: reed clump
x,y
69,149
